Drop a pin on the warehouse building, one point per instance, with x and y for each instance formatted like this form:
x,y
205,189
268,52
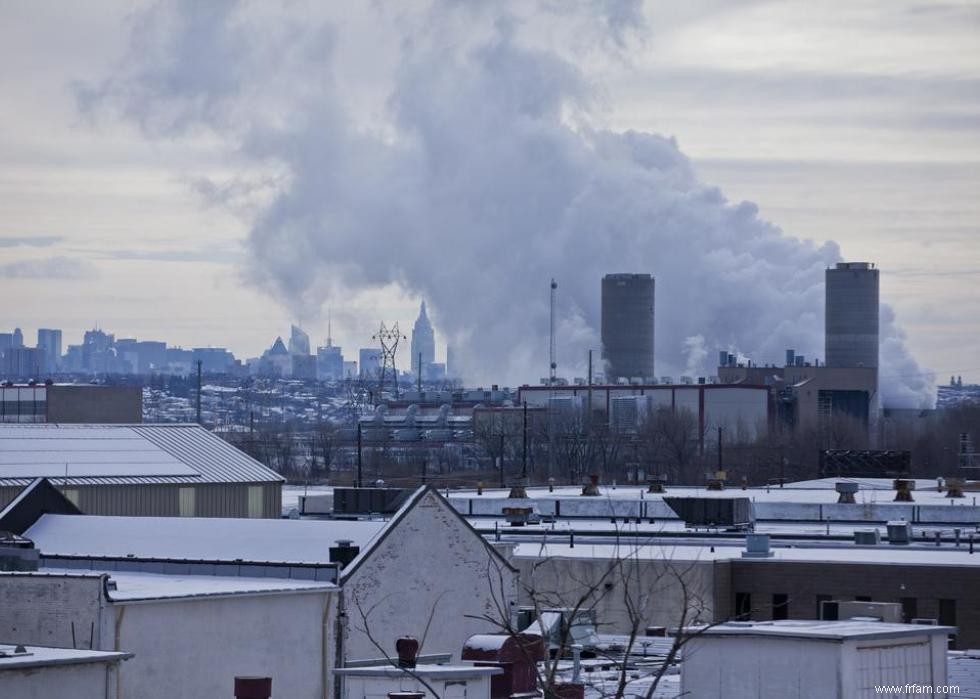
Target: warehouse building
x,y
70,403
139,470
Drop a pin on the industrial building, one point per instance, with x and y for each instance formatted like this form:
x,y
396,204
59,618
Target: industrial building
x,y
628,326
70,403
139,470
807,396
744,406
851,312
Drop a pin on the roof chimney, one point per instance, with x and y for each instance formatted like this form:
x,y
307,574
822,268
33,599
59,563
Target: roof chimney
x,y
344,552
408,650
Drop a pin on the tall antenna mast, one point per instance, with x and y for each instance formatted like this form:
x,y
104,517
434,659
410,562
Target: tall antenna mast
x,y
553,354
329,330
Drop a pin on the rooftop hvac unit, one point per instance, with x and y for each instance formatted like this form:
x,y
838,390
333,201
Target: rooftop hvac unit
x,y
900,533
730,513
362,501
757,546
867,537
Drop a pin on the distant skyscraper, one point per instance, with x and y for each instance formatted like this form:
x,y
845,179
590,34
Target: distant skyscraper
x,y
299,341
423,342
23,363
627,325
370,363
450,363
18,338
851,330
49,344
329,363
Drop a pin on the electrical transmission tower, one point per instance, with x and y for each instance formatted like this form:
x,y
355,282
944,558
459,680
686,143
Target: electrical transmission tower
x,y
388,337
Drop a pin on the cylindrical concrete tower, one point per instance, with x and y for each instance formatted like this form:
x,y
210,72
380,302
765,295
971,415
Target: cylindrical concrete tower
x,y
851,331
627,325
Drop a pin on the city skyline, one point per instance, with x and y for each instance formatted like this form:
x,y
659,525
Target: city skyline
x,y
153,228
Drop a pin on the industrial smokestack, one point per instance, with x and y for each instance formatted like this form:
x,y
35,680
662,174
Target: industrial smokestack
x,y
851,326
627,325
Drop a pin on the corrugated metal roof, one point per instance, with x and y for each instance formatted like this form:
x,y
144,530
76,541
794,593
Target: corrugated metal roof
x,y
206,457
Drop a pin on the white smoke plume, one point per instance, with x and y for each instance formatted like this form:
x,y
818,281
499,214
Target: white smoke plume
x,y
452,151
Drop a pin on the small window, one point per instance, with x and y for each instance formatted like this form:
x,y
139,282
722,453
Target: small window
x,y
947,612
862,598
780,607
743,606
910,609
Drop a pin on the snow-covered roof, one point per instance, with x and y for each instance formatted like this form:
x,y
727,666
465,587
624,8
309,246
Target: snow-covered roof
x,y
135,586
819,491
123,454
44,656
844,553
825,630
199,538
428,672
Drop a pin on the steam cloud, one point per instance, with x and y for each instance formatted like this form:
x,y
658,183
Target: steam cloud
x,y
466,168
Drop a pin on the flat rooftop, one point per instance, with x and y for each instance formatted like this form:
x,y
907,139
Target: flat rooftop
x,y
135,587
819,491
304,541
43,656
715,551
825,630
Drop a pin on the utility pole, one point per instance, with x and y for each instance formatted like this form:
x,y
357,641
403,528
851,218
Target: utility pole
x,y
552,350
359,453
588,418
720,468
524,452
199,391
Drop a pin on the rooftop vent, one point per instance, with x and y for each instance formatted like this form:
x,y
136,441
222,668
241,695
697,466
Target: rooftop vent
x,y
899,533
657,484
846,489
903,489
954,488
592,487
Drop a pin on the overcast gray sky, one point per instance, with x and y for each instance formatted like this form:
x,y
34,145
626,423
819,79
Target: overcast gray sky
x,y
855,122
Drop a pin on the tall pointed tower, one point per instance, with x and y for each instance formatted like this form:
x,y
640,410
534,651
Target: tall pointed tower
x,y
423,342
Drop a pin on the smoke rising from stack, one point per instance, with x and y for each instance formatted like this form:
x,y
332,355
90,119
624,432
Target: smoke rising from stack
x,y
464,164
